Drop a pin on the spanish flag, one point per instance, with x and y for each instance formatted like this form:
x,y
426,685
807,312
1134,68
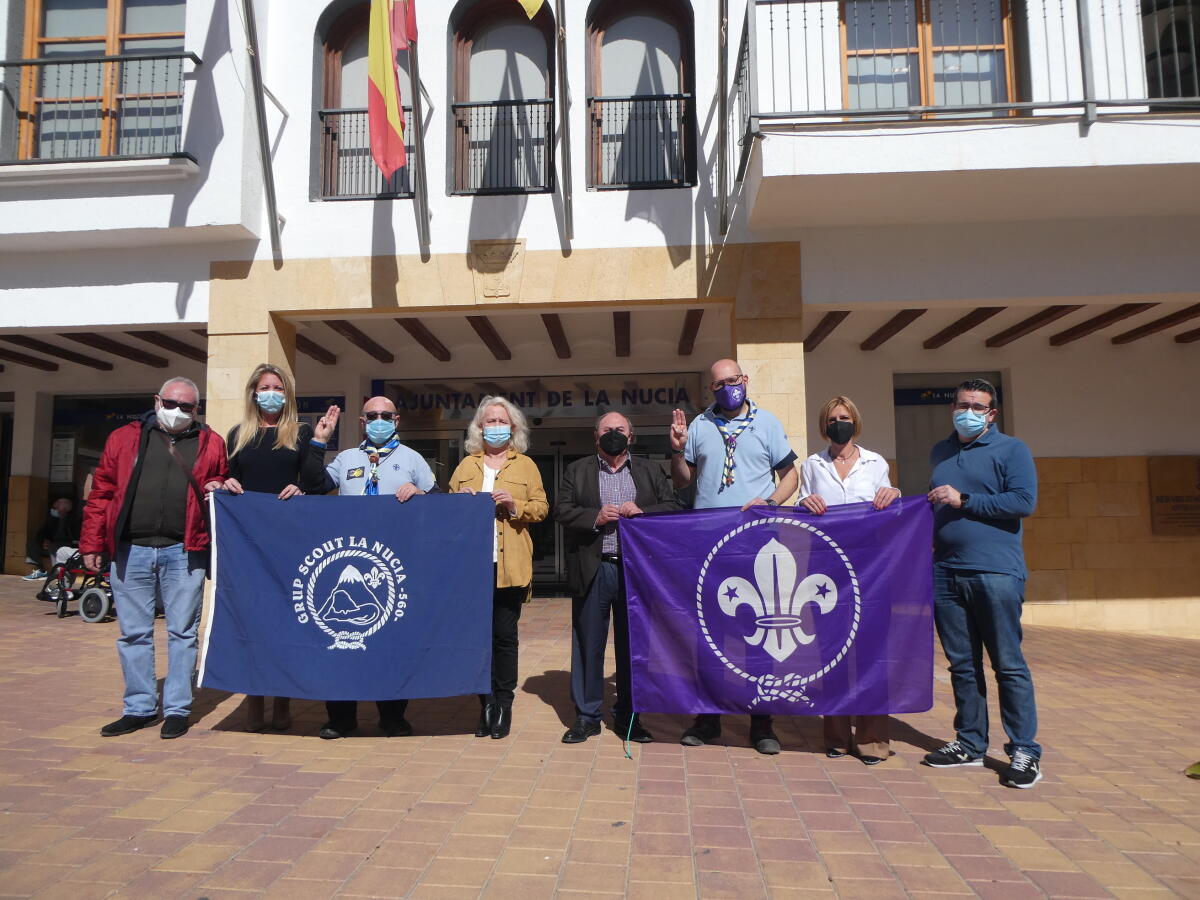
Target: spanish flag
x,y
393,26
531,7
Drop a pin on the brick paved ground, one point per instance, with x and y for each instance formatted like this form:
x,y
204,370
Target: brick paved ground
x,y
225,813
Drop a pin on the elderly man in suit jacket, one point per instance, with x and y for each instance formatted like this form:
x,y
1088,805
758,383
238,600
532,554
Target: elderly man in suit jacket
x,y
596,491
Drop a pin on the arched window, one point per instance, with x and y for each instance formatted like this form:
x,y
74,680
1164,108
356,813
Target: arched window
x,y
641,106
347,169
503,99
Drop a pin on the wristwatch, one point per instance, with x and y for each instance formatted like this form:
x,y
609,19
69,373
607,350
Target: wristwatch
x,y
771,502
678,452
963,498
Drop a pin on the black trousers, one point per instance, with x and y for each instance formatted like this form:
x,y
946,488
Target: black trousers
x,y
506,612
589,637
343,714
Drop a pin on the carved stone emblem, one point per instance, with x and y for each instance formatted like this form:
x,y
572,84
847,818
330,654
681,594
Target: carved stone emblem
x,y
497,267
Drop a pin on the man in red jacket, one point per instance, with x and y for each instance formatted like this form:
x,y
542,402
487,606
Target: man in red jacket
x,y
146,512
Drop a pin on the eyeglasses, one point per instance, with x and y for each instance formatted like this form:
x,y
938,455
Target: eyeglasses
x,y
372,416
973,407
188,408
731,380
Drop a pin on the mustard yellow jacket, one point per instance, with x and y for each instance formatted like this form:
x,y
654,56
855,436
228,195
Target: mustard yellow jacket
x,y
520,477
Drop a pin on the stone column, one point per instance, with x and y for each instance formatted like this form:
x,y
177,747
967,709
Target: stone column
x,y
232,356
768,335
28,482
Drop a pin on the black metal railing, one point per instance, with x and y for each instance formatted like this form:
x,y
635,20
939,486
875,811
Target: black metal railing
x,y
810,62
348,171
503,147
89,107
641,141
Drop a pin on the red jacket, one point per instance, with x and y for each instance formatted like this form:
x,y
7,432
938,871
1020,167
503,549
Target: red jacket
x,y
111,480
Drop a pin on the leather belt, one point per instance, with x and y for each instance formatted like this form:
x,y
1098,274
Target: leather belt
x,y
610,557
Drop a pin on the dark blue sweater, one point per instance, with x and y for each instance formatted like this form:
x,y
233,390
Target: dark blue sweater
x,y
984,535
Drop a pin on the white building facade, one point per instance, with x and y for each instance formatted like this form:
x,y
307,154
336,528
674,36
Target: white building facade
x,y
865,197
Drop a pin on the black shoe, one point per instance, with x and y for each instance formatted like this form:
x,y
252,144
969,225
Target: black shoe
x,y
834,753
331,732
502,723
705,729
126,725
396,728
764,741
635,732
871,760
487,718
581,731
1024,771
950,756
173,727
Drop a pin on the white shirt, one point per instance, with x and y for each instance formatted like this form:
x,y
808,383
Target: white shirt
x,y
489,484
868,474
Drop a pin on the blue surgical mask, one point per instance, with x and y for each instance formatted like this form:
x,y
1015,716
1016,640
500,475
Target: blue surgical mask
x,y
497,435
380,431
269,402
969,423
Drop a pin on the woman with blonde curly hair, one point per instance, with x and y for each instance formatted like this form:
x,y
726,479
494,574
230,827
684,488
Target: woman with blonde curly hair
x,y
497,439
270,452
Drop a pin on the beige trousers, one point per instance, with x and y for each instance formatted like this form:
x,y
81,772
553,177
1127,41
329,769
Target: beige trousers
x,y
870,737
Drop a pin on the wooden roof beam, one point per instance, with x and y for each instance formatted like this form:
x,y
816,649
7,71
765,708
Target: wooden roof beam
x,y
961,326
418,331
621,332
1188,337
490,336
824,328
62,353
116,348
557,335
1095,323
32,361
1176,318
1028,325
891,328
313,350
691,327
173,345
351,333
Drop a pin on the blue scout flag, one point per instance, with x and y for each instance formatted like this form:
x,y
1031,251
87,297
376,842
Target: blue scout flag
x,y
781,612
350,598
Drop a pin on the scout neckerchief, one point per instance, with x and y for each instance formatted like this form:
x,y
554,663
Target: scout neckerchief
x,y
731,436
376,455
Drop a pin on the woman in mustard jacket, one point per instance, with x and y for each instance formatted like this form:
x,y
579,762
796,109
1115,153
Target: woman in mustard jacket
x,y
497,439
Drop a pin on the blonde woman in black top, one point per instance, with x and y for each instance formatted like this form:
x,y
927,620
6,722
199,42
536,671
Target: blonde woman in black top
x,y
270,451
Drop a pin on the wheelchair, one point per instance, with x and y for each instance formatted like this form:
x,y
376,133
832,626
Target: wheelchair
x,y
69,579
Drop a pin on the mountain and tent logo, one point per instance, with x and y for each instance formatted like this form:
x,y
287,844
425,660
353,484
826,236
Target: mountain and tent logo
x,y
351,602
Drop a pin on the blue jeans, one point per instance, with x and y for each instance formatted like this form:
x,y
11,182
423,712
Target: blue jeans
x,y
137,575
974,610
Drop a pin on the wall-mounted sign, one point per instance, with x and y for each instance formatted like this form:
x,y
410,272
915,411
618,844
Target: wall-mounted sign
x,y
62,459
560,396
1175,495
310,410
932,396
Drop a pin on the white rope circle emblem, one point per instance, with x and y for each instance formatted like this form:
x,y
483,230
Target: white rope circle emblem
x,y
350,640
770,686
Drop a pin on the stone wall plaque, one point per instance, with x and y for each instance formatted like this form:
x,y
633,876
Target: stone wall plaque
x,y
1175,495
497,268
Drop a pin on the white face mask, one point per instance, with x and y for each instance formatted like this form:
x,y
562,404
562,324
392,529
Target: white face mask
x,y
173,420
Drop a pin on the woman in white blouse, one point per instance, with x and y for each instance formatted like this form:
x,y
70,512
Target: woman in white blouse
x,y
847,473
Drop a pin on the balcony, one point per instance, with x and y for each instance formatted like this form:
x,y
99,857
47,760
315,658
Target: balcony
x,y
870,112
348,171
503,147
123,111
643,141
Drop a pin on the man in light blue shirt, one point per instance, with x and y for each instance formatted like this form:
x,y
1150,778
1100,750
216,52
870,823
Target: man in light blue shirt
x,y
737,455
379,466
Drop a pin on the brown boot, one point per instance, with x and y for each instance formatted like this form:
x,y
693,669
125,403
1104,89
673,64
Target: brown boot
x,y
255,710
281,714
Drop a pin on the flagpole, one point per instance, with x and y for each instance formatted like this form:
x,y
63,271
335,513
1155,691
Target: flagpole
x,y
420,185
264,142
564,121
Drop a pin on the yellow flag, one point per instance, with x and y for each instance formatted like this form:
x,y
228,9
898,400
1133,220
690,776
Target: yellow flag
x,y
531,7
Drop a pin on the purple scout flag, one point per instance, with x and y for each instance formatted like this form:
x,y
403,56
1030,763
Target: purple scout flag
x,y
781,612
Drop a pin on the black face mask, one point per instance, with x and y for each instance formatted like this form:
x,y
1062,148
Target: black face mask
x,y
613,443
839,432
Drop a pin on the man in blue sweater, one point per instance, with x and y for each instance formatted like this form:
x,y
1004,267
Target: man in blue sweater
x,y
984,483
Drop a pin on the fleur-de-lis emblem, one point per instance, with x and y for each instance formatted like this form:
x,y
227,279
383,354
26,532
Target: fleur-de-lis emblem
x,y
374,578
777,600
